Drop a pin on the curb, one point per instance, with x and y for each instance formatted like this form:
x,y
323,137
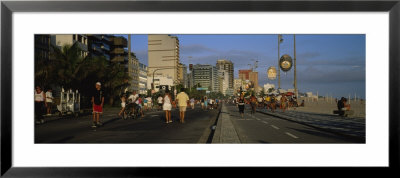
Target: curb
x,y
223,133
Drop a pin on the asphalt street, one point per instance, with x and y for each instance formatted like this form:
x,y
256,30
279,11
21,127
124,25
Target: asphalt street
x,y
256,128
262,128
150,129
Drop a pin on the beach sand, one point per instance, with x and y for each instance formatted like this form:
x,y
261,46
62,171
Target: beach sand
x,y
327,106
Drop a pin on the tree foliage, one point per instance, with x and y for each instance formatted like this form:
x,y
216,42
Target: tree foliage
x,y
69,69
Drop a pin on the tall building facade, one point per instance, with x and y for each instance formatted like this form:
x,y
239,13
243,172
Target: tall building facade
x,y
225,73
253,77
227,65
244,74
118,51
99,45
142,79
206,76
183,75
70,39
163,56
42,47
134,73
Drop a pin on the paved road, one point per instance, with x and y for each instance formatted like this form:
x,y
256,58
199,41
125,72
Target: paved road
x,y
262,128
151,129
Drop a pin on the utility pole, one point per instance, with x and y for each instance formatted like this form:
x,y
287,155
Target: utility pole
x,y
279,69
295,76
130,60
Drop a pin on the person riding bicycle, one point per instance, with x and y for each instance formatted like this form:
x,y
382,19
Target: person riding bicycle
x,y
133,100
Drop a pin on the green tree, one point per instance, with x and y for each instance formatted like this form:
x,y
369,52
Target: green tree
x,y
69,69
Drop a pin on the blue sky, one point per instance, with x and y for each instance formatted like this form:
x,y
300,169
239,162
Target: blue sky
x,y
330,64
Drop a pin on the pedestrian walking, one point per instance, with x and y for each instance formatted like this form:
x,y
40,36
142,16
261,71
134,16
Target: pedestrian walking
x,y
202,103
205,103
160,102
253,103
283,102
167,106
241,101
211,103
123,104
182,98
97,104
140,105
49,100
40,104
149,103
192,103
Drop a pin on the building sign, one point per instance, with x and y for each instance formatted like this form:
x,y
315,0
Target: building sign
x,y
271,72
285,62
201,88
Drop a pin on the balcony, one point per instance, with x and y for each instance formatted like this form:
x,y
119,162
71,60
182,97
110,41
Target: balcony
x,y
105,47
118,51
118,59
120,41
96,48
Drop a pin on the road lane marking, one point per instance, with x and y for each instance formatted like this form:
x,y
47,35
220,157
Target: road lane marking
x,y
275,127
265,122
287,133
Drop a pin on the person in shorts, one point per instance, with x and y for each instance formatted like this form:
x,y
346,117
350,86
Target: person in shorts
x,y
192,103
182,98
40,104
167,106
160,102
123,104
49,100
97,103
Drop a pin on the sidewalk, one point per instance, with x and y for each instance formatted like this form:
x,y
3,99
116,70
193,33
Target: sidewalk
x,y
347,126
225,131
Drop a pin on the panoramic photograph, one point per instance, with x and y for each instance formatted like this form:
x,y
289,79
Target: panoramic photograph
x,y
200,88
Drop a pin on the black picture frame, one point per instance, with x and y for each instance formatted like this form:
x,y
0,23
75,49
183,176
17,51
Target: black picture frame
x,y
8,7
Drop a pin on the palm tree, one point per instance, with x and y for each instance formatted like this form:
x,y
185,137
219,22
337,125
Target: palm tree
x,y
69,69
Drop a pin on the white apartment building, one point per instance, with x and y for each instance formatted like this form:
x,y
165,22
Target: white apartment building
x,y
163,57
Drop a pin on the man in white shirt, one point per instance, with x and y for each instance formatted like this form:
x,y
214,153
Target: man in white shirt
x,y
49,100
133,98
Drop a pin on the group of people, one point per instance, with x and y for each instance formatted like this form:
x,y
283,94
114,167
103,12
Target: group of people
x,y
43,103
209,103
165,102
140,103
269,102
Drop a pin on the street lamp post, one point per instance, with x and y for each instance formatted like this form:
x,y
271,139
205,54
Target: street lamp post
x,y
279,70
295,75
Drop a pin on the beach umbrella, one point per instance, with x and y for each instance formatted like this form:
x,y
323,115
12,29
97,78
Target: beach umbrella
x,y
289,93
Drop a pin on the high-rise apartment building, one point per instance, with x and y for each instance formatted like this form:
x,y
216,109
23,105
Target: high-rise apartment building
x,y
118,51
163,56
62,40
244,74
42,47
183,75
253,77
142,78
206,76
227,65
99,45
225,76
